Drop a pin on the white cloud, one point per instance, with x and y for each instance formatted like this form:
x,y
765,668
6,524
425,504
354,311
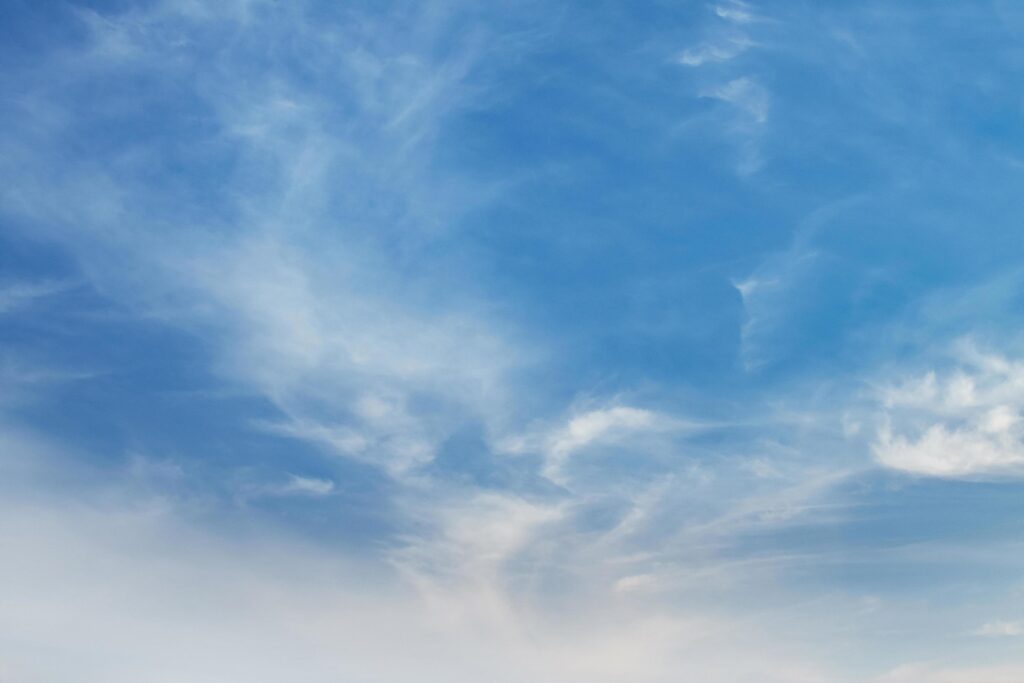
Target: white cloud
x,y
470,542
755,293
635,583
959,423
744,93
768,297
1001,629
589,427
751,103
715,51
735,12
291,277
302,486
952,453
749,287
738,12
603,424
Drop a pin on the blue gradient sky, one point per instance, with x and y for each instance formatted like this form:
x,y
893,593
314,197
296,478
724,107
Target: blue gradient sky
x,y
512,341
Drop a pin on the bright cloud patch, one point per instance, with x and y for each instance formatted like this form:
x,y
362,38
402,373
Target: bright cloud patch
x,y
961,423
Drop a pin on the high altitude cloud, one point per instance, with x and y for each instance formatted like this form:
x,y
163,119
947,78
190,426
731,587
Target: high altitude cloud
x,y
716,51
614,425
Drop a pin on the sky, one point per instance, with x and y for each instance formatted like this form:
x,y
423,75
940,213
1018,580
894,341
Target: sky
x,y
517,341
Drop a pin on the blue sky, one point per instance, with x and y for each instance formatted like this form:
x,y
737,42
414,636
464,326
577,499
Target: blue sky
x,y
511,341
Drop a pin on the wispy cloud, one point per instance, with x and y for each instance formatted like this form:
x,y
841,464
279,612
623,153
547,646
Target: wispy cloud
x,y
293,278
745,94
611,425
735,12
622,421
293,486
714,51
19,295
751,103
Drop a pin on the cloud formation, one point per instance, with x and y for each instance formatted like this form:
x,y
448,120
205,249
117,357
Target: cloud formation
x,y
509,342
963,423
